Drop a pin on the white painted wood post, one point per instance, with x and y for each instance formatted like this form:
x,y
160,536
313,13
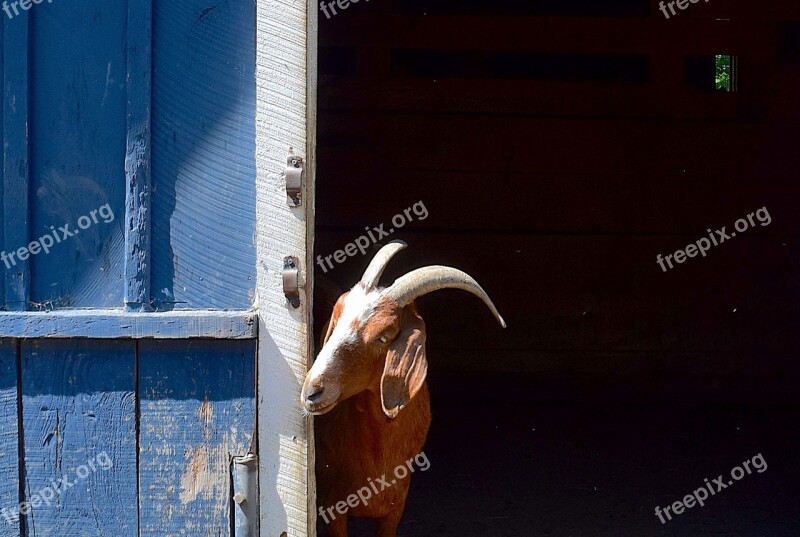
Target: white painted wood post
x,y
285,125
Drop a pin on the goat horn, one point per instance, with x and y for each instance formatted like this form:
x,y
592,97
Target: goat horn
x,y
374,271
428,279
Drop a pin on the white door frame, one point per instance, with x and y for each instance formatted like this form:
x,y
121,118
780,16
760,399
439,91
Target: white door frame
x,y
286,74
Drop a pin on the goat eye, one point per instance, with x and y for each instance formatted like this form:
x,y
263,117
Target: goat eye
x,y
383,339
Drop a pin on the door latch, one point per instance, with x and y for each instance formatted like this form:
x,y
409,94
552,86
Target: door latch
x,y
294,181
291,280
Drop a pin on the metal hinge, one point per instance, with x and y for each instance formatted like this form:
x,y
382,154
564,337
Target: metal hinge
x,y
291,280
294,181
245,488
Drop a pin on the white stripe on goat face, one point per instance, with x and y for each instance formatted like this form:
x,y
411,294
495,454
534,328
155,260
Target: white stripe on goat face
x,y
358,306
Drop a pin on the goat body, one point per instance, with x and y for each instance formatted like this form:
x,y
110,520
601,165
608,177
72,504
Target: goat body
x,y
358,443
368,388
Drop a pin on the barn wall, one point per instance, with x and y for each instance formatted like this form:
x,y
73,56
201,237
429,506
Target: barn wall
x,y
557,155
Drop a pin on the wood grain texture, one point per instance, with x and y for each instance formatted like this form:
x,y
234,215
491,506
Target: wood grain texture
x,y
197,412
16,158
113,324
203,155
138,186
77,128
79,424
285,125
9,440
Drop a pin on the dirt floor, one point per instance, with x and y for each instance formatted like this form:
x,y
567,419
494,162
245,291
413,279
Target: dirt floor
x,y
505,464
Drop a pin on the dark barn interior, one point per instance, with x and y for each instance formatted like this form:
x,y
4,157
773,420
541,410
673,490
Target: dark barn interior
x,y
558,148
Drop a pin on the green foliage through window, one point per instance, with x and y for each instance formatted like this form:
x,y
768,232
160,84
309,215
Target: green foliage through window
x,y
723,75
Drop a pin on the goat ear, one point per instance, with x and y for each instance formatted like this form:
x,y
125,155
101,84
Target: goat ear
x,y
406,366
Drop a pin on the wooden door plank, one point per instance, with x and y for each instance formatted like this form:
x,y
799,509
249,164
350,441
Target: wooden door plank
x,y
203,155
286,66
16,160
9,440
79,422
77,152
197,412
138,209
120,324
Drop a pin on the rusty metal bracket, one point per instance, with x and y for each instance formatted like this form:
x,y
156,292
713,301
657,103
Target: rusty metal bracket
x,y
291,280
294,181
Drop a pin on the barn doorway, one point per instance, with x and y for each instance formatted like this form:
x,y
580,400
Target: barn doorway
x,y
557,148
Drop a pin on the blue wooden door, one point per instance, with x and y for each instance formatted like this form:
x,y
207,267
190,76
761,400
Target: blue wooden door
x,y
127,332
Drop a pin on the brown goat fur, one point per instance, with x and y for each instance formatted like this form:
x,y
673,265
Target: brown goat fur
x,y
358,441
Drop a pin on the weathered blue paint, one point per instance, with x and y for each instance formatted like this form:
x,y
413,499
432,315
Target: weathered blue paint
x,y
2,180
204,154
148,108
197,411
16,161
9,439
137,162
91,98
79,422
114,324
78,131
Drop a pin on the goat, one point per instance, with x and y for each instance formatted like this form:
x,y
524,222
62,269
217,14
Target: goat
x,y
368,387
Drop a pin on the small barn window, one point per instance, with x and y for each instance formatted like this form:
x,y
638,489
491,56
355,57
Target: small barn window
x,y
712,73
724,74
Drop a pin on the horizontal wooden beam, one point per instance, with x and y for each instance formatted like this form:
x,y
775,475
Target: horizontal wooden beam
x,y
553,34
355,142
118,324
513,202
530,98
